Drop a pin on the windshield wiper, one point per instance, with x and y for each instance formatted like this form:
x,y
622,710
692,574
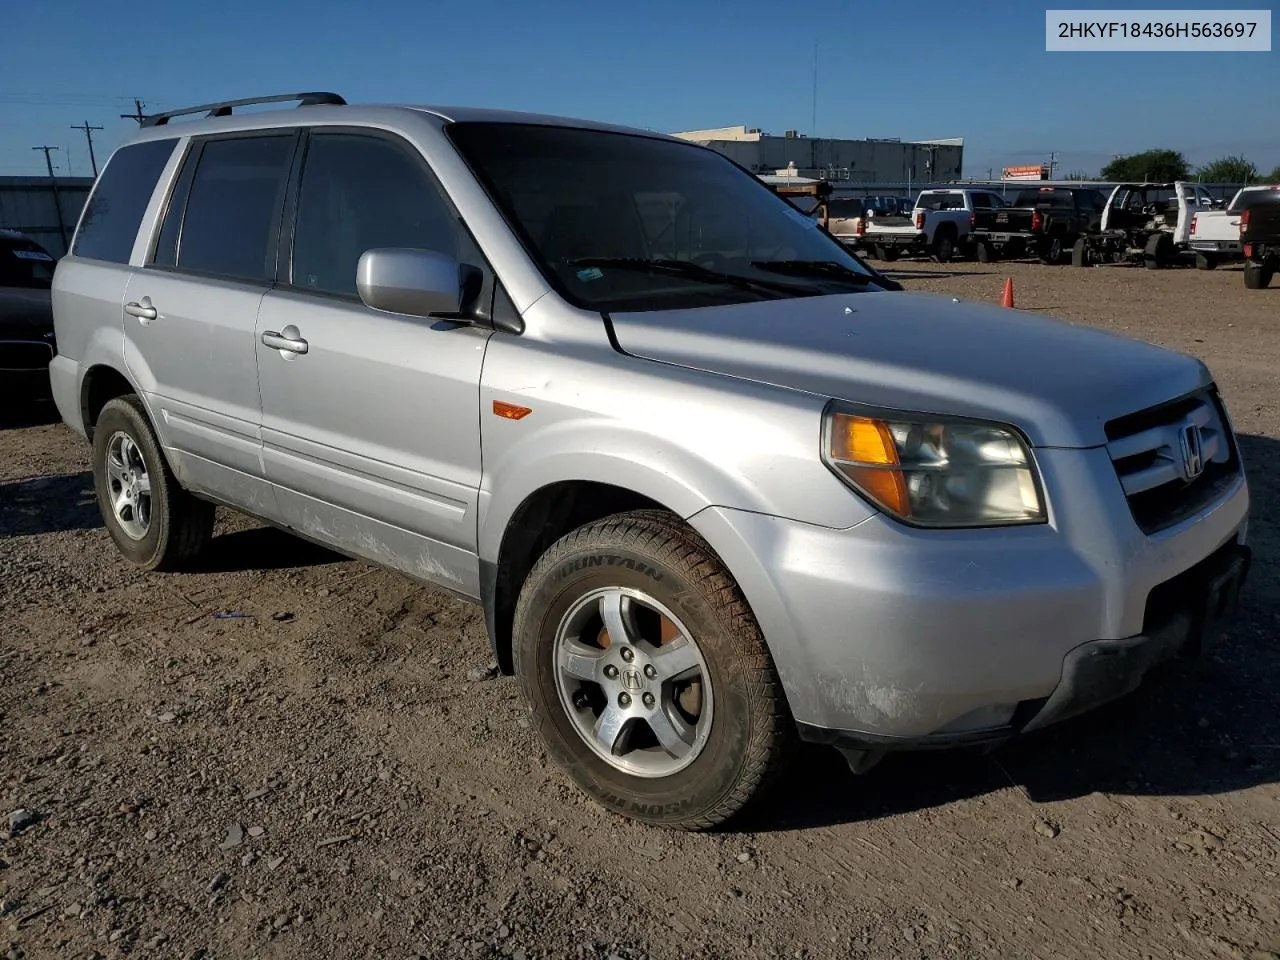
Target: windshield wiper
x,y
824,269
690,271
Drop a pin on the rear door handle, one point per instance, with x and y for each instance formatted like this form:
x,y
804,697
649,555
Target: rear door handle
x,y
142,309
288,340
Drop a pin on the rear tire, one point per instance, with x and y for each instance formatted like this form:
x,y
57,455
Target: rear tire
x,y
1205,261
1159,251
986,253
1081,255
1052,253
944,247
1257,276
642,562
155,523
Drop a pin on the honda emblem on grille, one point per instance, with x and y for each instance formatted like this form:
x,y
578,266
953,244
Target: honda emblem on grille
x,y
1192,455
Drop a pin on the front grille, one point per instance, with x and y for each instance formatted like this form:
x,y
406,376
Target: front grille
x,y
1149,451
24,355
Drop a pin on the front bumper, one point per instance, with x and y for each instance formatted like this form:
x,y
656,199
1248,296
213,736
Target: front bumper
x,y
899,638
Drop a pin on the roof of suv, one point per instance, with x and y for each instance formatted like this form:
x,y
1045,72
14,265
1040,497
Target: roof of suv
x,y
357,113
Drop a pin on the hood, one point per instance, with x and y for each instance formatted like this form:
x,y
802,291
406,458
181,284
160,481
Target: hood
x,y
22,307
1059,382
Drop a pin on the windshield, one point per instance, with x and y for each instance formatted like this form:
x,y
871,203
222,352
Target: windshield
x,y
579,199
24,264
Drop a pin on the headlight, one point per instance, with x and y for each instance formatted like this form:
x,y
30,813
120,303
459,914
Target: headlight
x,y
934,471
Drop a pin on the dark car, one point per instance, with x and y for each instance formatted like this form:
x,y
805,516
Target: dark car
x,y
1260,241
26,317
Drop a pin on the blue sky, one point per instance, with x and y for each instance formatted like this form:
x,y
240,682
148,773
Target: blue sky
x,y
928,68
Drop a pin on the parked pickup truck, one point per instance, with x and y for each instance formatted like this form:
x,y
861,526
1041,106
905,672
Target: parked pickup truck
x,y
1043,222
938,227
1260,242
1215,234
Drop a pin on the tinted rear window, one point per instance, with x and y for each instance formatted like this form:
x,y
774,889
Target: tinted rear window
x,y
1253,198
120,197
1044,198
941,201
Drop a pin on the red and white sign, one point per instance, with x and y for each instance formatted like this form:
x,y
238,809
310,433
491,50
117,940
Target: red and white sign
x,y
1037,172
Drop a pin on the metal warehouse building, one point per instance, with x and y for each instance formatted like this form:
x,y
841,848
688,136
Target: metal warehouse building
x,y
860,161
45,210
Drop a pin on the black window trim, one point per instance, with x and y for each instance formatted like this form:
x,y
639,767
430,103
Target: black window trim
x,y
289,223
194,154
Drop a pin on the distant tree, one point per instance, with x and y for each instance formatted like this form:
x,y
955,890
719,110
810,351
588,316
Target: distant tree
x,y
1077,175
1155,164
1234,169
1273,176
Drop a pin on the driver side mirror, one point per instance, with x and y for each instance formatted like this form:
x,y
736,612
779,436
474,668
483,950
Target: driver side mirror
x,y
419,283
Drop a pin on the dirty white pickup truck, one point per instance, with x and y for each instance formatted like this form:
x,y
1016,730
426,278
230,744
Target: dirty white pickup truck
x,y
1215,234
938,226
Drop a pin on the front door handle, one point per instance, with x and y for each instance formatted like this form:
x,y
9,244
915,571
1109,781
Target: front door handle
x,y
288,340
142,309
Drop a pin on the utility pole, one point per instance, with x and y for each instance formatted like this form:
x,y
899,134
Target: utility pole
x,y
137,112
48,160
88,134
814,119
57,200
1053,163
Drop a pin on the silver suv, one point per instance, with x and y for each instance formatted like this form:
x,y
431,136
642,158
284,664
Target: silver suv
x,y
716,484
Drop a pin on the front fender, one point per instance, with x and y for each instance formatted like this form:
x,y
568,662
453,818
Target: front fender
x,y
608,453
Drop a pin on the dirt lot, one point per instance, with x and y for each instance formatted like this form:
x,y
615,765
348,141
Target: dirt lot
x,y
330,773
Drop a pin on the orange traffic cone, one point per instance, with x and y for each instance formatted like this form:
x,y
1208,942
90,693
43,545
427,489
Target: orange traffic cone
x,y
1006,296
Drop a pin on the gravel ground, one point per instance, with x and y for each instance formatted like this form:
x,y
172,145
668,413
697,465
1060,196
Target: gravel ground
x,y
332,772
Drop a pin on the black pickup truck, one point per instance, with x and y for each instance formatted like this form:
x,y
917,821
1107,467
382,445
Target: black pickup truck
x,y
1042,222
1260,242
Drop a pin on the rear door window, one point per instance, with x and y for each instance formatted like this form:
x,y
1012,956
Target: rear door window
x,y
230,222
114,212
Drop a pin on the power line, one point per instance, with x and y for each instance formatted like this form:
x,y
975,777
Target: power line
x,y
88,135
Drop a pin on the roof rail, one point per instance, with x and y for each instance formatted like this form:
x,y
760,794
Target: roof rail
x,y
223,108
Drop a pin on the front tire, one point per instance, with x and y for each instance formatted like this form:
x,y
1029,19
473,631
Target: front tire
x,y
154,522
682,722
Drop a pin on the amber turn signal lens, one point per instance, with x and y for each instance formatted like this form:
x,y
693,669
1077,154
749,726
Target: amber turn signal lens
x,y
511,411
886,486
863,449
862,440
